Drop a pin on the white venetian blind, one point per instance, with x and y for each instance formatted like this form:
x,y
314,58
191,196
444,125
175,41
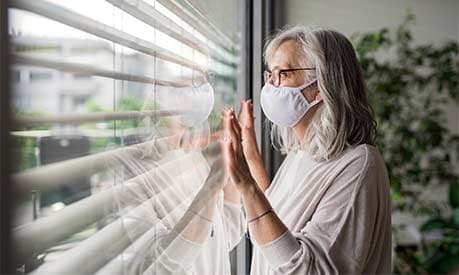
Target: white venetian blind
x,y
116,103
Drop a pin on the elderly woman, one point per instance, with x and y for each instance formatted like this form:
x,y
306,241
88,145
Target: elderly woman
x,y
328,208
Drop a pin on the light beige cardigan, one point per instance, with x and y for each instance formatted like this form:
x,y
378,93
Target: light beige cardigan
x,y
338,214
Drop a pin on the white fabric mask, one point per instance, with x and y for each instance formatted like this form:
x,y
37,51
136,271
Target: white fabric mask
x,y
196,103
285,106
199,102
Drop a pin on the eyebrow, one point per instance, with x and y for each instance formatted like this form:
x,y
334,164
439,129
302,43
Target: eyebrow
x,y
288,66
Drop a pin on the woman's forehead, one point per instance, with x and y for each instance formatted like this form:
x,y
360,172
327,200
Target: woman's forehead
x,y
285,56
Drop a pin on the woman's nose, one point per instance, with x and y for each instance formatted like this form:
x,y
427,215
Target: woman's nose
x,y
274,82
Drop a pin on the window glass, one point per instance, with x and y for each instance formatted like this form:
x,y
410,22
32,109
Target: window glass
x,y
117,108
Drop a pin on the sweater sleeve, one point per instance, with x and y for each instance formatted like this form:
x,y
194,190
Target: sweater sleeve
x,y
345,229
234,223
171,256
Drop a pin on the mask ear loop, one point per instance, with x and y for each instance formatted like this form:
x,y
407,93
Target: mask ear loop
x,y
316,71
307,84
310,83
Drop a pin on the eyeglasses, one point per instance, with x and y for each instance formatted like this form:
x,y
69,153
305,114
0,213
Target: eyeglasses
x,y
279,75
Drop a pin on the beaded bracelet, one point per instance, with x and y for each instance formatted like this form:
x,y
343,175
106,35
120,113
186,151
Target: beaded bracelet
x,y
261,215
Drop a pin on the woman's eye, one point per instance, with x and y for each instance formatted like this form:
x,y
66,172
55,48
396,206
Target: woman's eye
x,y
283,75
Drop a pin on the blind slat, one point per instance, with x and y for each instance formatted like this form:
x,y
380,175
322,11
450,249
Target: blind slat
x,y
36,237
86,257
91,70
53,175
152,17
201,24
96,28
28,121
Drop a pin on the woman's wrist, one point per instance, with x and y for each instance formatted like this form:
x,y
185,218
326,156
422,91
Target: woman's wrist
x,y
248,188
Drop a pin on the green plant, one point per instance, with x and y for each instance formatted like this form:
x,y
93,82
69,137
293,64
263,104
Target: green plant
x,y
23,146
409,87
440,256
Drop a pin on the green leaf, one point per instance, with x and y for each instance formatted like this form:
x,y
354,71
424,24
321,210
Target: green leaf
x,y
455,216
433,224
454,194
445,263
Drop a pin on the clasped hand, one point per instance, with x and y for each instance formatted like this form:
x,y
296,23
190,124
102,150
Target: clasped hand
x,y
234,152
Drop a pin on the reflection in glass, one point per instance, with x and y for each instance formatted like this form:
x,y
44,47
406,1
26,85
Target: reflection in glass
x,y
116,144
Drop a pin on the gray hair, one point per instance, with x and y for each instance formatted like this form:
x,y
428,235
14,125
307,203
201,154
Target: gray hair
x,y
346,117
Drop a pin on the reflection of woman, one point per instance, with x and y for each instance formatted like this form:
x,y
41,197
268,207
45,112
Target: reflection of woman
x,y
328,208
186,218
204,220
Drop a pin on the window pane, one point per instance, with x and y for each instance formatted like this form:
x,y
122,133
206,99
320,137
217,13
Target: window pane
x,y
117,117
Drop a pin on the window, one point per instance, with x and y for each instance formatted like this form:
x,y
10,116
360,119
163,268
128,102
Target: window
x,y
131,121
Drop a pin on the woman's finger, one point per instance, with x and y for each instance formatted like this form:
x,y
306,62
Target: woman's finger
x,y
224,111
243,115
225,116
231,133
224,144
248,109
230,162
236,126
241,109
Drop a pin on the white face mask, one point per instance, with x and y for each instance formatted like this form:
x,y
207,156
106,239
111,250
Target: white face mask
x,y
196,103
285,106
199,102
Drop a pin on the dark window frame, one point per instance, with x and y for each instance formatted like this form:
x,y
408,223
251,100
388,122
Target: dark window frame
x,y
262,19
6,194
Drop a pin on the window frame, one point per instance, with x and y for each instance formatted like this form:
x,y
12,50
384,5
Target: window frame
x,y
262,18
6,192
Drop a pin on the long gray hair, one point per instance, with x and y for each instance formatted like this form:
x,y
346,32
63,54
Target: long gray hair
x,y
346,117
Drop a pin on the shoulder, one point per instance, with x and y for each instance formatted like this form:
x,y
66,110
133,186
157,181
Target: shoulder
x,y
373,161
363,156
373,180
363,178
362,163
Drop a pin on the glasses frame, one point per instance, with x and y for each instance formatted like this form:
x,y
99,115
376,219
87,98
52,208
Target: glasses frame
x,y
268,74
